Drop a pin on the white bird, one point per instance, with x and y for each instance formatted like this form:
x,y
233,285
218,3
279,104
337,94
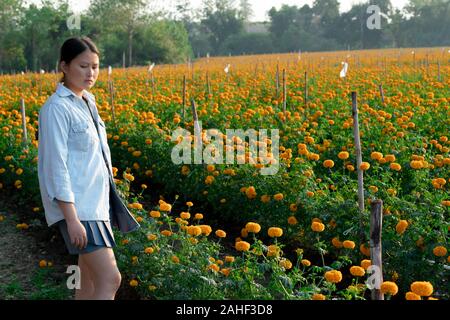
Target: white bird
x,y
227,68
150,68
344,70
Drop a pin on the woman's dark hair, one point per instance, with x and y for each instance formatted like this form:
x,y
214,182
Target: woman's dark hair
x,y
72,47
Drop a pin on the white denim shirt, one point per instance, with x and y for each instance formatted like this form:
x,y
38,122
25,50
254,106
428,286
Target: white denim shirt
x,y
71,167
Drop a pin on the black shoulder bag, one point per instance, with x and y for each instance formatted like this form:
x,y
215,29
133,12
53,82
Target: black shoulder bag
x,y
120,216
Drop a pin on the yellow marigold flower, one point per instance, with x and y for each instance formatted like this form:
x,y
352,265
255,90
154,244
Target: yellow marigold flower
x,y
374,189
350,167
391,191
185,215
395,166
293,207
336,242
401,226
278,197
431,298
163,206
128,176
357,271
175,259
193,241
306,262
333,276
440,251
185,170
376,155
273,250
242,246
19,171
155,214
318,296
134,283
210,168
389,287
310,194
422,288
446,203
198,216
275,232
292,220
366,264
390,158
364,166
317,226
348,244
42,264
412,296
206,230
229,259
189,204
221,233
286,264
149,250
253,227
343,155
244,233
137,153
328,163
194,230
416,164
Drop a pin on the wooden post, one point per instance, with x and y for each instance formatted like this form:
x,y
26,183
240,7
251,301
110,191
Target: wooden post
x,y
277,81
198,149
111,97
208,87
376,226
284,93
184,96
380,86
358,164
24,121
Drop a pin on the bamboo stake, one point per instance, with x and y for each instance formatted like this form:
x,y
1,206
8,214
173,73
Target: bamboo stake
x,y
198,149
184,96
376,223
358,164
208,87
111,99
439,70
277,80
24,122
284,93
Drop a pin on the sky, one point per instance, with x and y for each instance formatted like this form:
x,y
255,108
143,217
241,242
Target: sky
x,y
260,7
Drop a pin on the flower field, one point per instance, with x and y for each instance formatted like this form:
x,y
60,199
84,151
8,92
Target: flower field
x,y
225,231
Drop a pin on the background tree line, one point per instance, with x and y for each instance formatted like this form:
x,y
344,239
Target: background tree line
x,y
135,33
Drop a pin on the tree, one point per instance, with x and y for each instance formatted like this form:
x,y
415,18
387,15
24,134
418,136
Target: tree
x,y
11,50
245,10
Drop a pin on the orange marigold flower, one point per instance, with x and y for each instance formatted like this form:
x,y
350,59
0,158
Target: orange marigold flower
x,y
317,226
364,166
318,296
278,197
134,283
333,276
440,251
395,166
336,243
185,215
242,246
348,244
221,233
422,288
306,262
253,227
401,226
357,271
366,264
163,206
273,250
376,155
292,220
343,155
389,287
286,264
328,163
412,296
275,232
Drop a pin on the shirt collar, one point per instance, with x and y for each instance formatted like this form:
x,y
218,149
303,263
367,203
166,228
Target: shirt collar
x,y
63,91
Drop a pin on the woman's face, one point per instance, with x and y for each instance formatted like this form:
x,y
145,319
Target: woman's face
x,y
82,72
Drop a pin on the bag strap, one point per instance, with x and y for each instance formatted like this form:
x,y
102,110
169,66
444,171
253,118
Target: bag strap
x,y
101,146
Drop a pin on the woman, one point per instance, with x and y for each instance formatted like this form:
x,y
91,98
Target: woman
x,y
73,175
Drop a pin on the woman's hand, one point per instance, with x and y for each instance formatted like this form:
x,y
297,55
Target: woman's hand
x,y
77,233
